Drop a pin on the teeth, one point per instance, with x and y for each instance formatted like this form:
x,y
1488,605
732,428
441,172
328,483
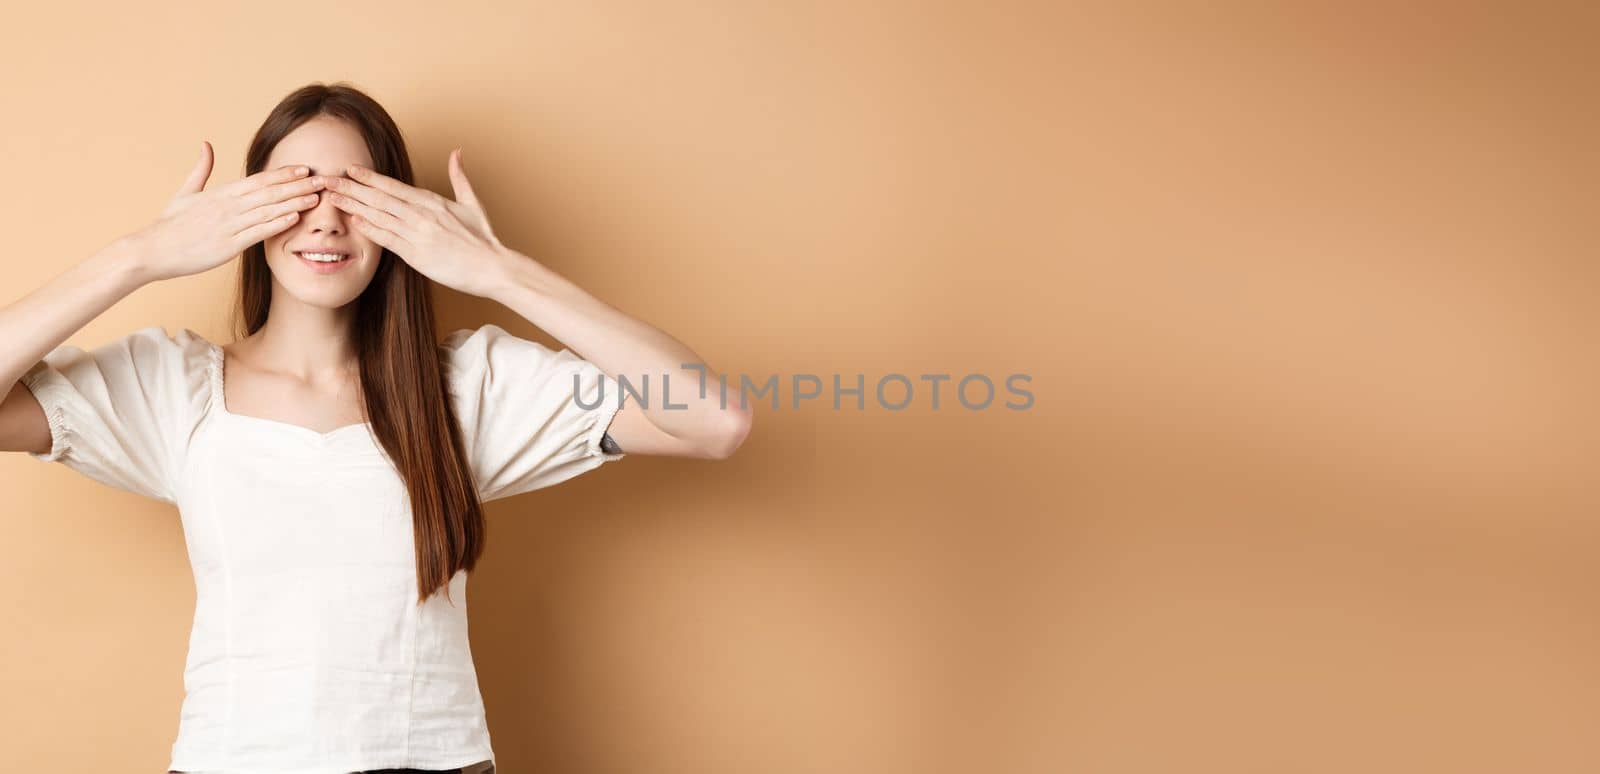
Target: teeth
x,y
323,257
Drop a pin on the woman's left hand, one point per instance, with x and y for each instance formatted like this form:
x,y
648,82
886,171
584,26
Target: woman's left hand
x,y
449,242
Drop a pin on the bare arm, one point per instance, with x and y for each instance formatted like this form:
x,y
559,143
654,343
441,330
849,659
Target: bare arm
x,y
624,346
197,231
42,320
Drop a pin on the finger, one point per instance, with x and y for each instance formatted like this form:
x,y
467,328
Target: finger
x,y
388,185
459,183
380,218
282,191
201,172
262,231
273,210
376,198
388,239
379,202
467,208
268,177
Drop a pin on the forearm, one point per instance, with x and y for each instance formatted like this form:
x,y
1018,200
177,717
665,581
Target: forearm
x,y
37,323
626,347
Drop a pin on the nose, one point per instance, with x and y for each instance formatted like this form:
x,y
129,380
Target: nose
x,y
324,218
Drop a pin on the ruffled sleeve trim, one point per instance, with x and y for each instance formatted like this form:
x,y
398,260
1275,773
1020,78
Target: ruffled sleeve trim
x,y
47,386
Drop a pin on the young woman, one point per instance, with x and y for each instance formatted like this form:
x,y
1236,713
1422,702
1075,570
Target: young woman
x,y
330,464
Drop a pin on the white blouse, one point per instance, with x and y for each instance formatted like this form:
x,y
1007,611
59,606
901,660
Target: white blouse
x,y
309,653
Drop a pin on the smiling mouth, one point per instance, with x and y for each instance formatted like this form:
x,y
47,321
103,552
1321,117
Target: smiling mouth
x,y
324,257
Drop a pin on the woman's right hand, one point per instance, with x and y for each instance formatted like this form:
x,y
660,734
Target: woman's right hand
x,y
202,229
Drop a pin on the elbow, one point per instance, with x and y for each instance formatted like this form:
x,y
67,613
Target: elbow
x,y
735,424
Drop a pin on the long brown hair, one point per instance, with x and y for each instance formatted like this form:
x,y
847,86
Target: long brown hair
x,y
402,381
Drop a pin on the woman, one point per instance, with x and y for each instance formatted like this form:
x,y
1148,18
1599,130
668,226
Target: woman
x,y
329,465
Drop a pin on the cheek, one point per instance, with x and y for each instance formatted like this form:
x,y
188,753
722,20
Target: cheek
x,y
273,243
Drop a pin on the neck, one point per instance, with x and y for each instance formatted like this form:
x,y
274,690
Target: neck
x,y
304,340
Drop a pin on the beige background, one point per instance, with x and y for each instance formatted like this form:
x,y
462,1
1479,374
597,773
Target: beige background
x,y
1307,290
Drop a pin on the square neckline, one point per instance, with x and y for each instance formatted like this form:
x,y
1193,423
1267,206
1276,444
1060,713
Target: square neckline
x,y
220,401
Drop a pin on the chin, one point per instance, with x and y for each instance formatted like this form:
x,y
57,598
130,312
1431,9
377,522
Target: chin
x,y
325,298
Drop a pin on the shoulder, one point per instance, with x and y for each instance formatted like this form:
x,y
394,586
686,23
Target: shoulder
x,y
466,350
183,344
183,356
147,351
150,365
469,351
477,339
155,341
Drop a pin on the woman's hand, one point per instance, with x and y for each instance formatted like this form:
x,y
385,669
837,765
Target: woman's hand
x,y
202,229
449,242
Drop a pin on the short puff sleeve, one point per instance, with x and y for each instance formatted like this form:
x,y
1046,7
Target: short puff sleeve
x,y
530,416
122,413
